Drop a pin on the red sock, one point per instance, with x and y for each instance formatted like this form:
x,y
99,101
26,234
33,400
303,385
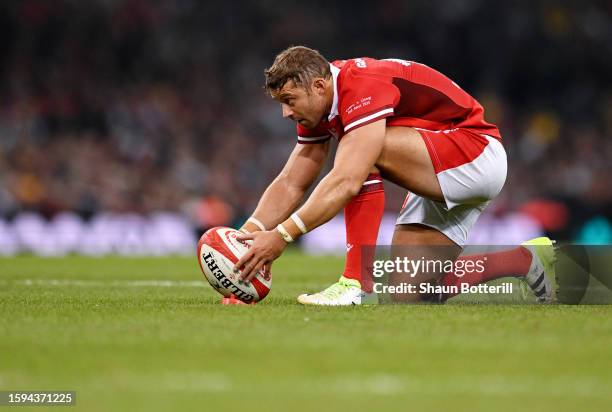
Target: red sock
x,y
362,218
513,262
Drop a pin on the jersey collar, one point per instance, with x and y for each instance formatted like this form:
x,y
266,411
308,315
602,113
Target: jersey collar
x,y
334,109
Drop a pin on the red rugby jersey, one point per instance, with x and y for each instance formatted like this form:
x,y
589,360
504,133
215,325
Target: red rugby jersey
x,y
406,93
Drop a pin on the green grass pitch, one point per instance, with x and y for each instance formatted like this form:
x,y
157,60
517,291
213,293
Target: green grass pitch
x,y
132,334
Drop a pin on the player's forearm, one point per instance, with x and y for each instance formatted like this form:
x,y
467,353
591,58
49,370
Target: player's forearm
x,y
279,200
355,158
325,202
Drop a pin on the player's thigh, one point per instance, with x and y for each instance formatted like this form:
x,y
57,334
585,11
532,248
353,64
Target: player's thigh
x,y
417,242
405,161
421,235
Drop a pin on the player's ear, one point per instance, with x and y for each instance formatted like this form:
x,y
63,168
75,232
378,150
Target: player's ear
x,y
318,85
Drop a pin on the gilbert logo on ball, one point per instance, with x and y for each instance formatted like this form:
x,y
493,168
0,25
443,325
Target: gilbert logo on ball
x,y
218,251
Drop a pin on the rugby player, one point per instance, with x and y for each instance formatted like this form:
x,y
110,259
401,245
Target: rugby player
x,y
398,120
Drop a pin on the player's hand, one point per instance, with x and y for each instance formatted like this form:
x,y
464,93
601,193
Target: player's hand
x,y
267,271
266,247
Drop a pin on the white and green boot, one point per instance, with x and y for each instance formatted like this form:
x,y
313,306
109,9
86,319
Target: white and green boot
x,y
345,292
541,276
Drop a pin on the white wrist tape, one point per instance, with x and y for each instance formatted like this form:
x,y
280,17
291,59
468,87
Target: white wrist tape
x,y
299,223
257,223
283,232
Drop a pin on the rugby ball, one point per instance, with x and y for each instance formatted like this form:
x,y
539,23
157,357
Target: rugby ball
x,y
218,251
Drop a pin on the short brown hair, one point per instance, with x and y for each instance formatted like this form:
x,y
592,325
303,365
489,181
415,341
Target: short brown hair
x,y
298,63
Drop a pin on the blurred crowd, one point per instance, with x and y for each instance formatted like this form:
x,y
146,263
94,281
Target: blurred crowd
x,y
143,107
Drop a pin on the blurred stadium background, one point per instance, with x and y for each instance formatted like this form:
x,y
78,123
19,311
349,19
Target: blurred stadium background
x,y
130,126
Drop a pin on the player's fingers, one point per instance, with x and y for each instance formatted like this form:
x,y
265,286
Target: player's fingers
x,y
243,260
255,270
248,268
267,271
245,236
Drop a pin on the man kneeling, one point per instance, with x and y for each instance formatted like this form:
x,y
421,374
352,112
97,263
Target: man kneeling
x,y
394,119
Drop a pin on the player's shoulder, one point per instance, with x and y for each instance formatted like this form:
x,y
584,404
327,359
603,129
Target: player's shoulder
x,y
356,65
367,67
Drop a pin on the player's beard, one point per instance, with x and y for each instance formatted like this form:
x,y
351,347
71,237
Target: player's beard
x,y
317,114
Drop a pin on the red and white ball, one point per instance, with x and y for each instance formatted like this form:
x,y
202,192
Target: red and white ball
x,y
218,251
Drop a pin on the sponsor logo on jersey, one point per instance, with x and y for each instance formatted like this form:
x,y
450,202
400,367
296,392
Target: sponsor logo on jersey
x,y
360,63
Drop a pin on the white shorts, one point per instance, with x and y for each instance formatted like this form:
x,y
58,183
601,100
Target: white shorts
x,y
471,169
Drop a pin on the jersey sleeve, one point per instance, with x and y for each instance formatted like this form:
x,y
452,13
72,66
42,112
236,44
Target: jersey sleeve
x,y
365,99
309,136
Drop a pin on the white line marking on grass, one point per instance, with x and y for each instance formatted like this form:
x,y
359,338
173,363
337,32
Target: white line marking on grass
x,y
177,381
102,283
488,385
